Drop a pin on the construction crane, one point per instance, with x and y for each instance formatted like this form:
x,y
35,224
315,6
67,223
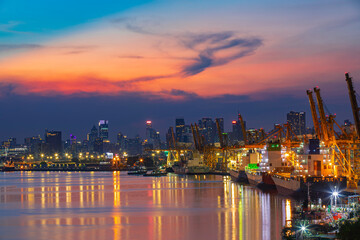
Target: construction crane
x,y
314,114
221,140
323,122
196,141
340,149
242,123
174,150
354,104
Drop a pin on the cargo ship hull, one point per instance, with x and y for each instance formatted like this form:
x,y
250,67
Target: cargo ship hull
x,y
254,179
317,186
238,176
287,186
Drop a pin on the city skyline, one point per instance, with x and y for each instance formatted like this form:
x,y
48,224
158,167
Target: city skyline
x,y
179,119
66,67
112,134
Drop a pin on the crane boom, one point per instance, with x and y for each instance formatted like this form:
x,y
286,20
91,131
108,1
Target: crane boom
x,y
314,114
243,128
354,104
219,133
325,133
173,137
194,137
200,140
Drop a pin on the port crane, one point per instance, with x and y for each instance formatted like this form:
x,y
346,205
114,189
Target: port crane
x,y
341,145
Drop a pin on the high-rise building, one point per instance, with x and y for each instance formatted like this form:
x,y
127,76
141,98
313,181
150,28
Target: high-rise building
x,y
73,144
91,137
53,142
179,129
122,142
187,134
297,122
34,144
237,133
93,134
104,129
99,145
134,147
152,136
150,132
207,128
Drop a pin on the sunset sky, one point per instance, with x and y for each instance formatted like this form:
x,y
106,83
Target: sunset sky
x,y
64,65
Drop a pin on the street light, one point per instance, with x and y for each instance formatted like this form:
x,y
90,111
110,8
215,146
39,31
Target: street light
x,y
334,196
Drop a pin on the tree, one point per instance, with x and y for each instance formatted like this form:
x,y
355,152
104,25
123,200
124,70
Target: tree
x,y
349,230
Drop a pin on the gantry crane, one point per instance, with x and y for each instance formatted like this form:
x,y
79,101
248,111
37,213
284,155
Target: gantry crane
x,y
339,147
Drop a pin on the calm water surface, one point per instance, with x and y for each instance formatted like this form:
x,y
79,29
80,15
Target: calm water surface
x,y
113,205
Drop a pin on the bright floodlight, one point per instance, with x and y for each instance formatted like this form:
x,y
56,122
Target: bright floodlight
x,y
303,228
335,194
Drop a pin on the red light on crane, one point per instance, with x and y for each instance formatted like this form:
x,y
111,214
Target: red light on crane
x,y
233,122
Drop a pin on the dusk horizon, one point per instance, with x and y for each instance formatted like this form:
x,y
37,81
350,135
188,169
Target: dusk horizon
x,y
141,58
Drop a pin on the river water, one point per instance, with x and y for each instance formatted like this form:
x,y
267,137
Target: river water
x,y
114,205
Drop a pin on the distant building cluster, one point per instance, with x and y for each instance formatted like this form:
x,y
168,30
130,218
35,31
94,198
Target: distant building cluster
x,y
97,142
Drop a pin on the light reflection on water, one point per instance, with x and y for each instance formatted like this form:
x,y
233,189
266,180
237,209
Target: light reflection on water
x,y
114,205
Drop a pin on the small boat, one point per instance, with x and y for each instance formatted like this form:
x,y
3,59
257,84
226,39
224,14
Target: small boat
x,y
8,166
155,173
137,171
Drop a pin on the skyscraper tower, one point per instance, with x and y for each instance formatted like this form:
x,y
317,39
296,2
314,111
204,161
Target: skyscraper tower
x,y
237,133
208,129
149,130
93,134
104,129
179,129
53,142
297,122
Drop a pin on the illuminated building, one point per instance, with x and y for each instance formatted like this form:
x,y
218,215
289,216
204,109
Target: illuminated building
x,y
33,144
104,129
207,128
297,122
73,144
237,133
179,129
152,137
53,142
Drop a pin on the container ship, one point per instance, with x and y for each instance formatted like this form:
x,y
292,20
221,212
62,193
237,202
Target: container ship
x,y
294,172
252,173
